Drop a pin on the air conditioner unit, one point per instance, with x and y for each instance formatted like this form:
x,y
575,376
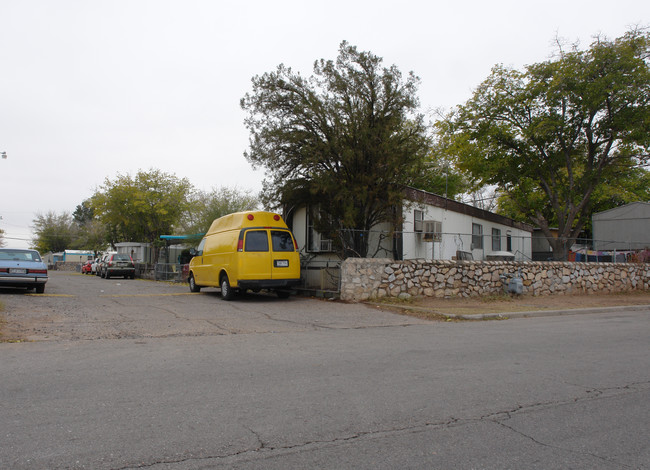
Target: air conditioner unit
x,y
432,231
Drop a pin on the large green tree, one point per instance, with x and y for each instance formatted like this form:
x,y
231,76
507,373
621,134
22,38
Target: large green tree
x,y
83,213
348,139
554,137
633,186
205,206
441,176
53,232
91,232
143,207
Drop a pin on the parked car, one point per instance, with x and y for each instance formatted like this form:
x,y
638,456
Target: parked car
x,y
93,266
118,264
87,267
22,268
100,264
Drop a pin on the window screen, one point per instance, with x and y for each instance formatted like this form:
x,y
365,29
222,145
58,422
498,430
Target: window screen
x,y
256,240
496,239
316,242
477,236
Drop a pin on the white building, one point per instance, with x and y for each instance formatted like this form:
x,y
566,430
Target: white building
x,y
439,228
433,227
77,256
139,252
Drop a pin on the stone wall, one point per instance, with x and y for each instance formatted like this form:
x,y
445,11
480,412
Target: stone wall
x,y
70,266
364,279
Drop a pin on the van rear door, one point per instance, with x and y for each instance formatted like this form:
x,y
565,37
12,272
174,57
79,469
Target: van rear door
x,y
257,255
286,262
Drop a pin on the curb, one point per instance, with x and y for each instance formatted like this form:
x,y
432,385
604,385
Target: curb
x,y
524,314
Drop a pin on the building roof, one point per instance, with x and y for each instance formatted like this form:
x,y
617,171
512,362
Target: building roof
x,y
182,237
633,210
425,197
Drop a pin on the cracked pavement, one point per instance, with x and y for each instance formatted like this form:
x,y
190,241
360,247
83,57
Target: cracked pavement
x,y
263,383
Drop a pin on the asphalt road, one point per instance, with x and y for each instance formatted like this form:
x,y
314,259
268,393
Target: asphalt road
x,y
265,383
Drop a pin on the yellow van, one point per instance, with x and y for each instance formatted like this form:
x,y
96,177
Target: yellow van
x,y
246,250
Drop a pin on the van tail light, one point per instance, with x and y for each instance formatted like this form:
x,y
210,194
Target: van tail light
x,y
295,244
240,245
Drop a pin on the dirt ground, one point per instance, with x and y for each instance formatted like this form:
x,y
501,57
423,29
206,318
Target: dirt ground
x,y
524,303
77,307
60,314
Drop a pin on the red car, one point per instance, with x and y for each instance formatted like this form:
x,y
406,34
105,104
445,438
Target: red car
x,y
87,267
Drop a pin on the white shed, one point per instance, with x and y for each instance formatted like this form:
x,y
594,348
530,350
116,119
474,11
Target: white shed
x,y
622,228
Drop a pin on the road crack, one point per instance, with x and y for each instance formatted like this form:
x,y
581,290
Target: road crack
x,y
501,417
262,448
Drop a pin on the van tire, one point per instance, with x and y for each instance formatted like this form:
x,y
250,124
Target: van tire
x,y
193,286
226,291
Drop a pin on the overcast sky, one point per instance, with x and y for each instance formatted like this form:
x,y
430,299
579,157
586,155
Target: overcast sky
x,y
89,89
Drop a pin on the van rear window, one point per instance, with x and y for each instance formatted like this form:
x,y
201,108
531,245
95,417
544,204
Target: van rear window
x,y
282,241
256,240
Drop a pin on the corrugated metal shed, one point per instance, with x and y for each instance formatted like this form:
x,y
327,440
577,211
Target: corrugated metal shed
x,y
622,228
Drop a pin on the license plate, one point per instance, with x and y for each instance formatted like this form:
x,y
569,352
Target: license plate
x,y
17,271
281,263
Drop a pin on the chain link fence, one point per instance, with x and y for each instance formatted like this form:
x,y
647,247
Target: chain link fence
x,y
323,276
494,244
172,272
321,269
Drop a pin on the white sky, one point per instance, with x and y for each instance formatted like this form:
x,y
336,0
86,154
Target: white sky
x,y
91,88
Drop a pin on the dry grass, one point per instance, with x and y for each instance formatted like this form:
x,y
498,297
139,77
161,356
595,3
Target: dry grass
x,y
435,309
